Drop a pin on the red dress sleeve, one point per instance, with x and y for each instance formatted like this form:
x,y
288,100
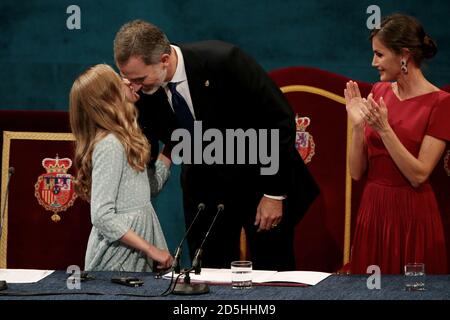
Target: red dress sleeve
x,y
379,89
374,88
438,125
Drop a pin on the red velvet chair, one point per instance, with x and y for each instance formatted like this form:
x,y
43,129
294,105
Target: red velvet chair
x,y
31,237
323,237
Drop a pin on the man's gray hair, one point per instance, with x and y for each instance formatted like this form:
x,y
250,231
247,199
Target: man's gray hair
x,y
141,39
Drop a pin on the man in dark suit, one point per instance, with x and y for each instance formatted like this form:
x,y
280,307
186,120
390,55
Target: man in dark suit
x,y
225,89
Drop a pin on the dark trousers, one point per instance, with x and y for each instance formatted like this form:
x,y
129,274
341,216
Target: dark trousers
x,y
269,250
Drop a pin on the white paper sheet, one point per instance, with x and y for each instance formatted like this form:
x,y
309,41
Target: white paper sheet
x,y
306,277
23,275
260,276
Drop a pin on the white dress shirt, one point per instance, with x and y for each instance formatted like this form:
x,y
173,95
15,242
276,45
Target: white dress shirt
x,y
180,79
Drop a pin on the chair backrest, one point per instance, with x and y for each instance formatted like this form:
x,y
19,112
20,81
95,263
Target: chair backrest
x,y
440,181
43,227
323,237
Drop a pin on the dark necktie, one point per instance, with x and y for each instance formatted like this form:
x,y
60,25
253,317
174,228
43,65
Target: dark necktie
x,y
181,108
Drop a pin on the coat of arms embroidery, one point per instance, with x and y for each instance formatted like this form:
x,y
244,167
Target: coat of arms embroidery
x,y
304,142
54,189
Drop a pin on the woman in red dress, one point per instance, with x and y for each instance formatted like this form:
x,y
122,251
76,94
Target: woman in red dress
x,y
399,134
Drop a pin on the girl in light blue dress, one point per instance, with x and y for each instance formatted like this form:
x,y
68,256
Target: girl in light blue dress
x,y
111,157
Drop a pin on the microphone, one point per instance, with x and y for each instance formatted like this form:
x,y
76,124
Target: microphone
x,y
11,170
178,251
197,262
187,288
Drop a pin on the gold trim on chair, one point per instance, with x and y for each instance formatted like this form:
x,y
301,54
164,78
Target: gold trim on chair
x,y
348,197
313,90
7,137
348,179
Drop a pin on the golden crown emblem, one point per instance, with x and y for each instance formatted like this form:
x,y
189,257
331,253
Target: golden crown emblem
x,y
302,122
56,165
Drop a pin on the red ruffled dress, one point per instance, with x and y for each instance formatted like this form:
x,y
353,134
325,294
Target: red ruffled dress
x,y
396,222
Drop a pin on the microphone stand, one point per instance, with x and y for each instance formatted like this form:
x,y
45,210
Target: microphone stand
x,y
187,288
178,251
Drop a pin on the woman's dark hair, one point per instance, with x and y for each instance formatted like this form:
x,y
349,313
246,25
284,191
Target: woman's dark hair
x,y
398,31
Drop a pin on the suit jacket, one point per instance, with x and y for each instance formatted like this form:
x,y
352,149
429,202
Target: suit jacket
x,y
229,90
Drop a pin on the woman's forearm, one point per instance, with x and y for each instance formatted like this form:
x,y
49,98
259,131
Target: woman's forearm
x,y
416,170
358,154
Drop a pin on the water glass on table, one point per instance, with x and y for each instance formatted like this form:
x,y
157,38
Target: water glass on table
x,y
241,274
415,276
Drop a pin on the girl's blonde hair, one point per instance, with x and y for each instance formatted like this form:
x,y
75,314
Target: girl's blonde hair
x,y
98,106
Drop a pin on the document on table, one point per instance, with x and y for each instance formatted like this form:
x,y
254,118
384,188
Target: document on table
x,y
23,275
305,277
259,276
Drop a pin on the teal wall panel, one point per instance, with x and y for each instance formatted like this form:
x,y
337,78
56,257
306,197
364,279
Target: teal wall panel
x,y
40,57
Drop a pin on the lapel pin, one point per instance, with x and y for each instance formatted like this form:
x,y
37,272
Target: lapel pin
x,y
207,83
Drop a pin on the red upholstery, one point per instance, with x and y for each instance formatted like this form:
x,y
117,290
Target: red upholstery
x,y
440,180
319,239
33,239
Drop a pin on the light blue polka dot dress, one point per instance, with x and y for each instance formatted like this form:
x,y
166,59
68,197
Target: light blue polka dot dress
x,y
120,201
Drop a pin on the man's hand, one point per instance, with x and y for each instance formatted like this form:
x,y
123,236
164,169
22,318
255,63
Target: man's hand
x,y
269,213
